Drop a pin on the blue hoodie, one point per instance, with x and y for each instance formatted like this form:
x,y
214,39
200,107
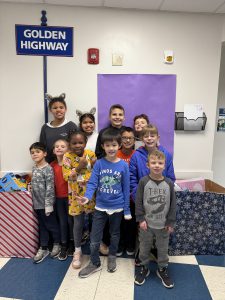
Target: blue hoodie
x,y
139,169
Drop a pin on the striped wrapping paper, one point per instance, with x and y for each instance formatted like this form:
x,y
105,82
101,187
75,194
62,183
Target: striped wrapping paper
x,y
18,225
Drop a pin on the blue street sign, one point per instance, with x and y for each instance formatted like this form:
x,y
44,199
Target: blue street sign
x,y
44,40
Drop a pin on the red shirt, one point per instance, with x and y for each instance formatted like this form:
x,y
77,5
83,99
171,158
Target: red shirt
x,y
125,157
61,186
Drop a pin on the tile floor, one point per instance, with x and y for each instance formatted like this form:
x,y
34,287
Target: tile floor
x,y
195,277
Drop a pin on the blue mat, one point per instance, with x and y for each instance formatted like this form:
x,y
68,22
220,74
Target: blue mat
x,y
21,278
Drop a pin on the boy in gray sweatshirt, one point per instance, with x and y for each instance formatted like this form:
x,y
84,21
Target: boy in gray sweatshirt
x,y
155,210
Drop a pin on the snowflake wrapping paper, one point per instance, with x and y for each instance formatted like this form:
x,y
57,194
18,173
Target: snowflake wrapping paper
x,y
200,225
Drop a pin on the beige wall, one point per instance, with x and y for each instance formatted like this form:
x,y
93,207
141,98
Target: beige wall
x,y
142,37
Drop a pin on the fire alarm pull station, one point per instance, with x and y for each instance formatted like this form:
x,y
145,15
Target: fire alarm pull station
x,y
93,56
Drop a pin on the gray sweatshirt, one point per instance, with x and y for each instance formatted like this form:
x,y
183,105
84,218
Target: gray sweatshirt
x,y
156,202
43,190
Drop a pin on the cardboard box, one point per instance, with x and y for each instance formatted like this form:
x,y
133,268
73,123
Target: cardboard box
x,y
211,186
18,225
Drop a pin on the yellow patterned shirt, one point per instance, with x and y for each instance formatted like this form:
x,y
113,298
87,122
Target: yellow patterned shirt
x,y
78,187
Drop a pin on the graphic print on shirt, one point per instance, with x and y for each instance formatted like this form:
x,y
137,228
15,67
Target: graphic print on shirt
x,y
109,181
157,201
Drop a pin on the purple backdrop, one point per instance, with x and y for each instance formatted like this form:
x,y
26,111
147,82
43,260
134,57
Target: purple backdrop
x,y
154,95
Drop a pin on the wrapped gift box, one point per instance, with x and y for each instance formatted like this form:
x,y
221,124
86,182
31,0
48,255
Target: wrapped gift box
x,y
18,225
200,222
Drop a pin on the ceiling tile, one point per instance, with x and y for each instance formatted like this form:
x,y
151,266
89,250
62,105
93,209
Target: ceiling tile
x,y
23,1
76,2
140,4
192,5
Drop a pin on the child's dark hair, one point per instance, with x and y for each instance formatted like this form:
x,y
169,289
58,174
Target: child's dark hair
x,y
110,135
84,116
53,100
76,132
142,116
39,146
126,129
114,106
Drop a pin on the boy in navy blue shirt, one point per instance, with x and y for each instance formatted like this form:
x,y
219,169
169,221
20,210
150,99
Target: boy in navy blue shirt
x,y
110,179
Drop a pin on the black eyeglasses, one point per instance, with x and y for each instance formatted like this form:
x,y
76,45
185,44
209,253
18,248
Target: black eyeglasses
x,y
126,138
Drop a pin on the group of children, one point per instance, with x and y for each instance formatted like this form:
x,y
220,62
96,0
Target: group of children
x,y
101,175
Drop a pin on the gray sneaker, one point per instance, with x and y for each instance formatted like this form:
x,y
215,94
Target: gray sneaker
x,y
40,255
89,269
111,264
55,250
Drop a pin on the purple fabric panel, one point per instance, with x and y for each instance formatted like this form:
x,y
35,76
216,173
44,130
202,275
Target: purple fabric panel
x,y
154,95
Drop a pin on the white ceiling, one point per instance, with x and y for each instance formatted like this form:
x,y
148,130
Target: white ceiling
x,y
198,6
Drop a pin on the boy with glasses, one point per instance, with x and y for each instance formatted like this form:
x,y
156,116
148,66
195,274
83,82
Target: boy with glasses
x,y
128,228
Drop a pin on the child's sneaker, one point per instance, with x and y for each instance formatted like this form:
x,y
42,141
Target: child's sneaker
x,y
40,255
55,251
71,248
130,251
103,249
162,273
63,253
89,269
76,263
120,251
142,273
111,264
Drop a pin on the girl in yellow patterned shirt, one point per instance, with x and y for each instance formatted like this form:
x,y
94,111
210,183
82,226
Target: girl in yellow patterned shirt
x,y
77,167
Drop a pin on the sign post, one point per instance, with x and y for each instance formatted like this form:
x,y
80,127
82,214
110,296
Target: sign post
x,y
44,23
44,41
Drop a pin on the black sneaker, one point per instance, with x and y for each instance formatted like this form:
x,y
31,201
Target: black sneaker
x,y
130,251
162,273
119,251
71,249
63,253
142,273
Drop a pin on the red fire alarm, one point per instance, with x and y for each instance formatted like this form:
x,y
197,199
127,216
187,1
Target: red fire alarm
x,y
93,56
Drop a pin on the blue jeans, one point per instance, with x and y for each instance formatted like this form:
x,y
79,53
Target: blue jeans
x,y
99,220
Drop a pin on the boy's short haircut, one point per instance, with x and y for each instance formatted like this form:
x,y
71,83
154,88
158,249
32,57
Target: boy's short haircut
x,y
60,99
158,154
142,116
114,106
110,135
127,129
39,146
149,129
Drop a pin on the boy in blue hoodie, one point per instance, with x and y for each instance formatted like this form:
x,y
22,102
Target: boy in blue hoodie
x,y
138,163
110,180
